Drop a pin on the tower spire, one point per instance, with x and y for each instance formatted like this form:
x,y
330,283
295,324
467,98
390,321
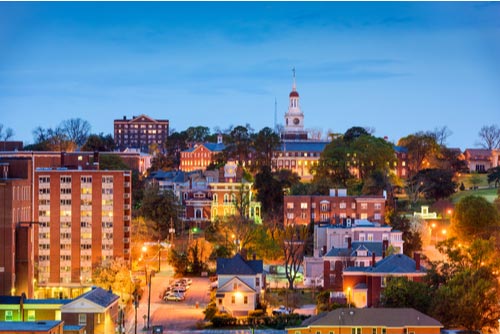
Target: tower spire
x,y
294,87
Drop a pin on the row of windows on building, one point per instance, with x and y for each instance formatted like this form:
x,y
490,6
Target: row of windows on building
x,y
357,330
324,217
141,126
67,179
326,206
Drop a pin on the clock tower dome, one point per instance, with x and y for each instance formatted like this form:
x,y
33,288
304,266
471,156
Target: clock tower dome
x,y
294,117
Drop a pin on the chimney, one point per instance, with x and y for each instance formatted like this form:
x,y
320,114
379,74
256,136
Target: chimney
x,y
124,118
254,256
326,274
373,259
349,243
416,257
62,159
385,245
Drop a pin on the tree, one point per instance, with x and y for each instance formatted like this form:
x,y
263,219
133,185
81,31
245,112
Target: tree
x,y
372,154
114,275
451,159
76,130
466,287
335,164
265,143
435,183
354,133
197,134
474,217
402,292
176,143
238,147
5,135
269,191
441,135
99,142
421,147
292,240
494,175
160,207
411,236
489,137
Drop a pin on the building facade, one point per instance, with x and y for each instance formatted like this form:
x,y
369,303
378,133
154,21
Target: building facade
x,y
83,218
200,156
140,132
16,228
241,285
303,209
370,321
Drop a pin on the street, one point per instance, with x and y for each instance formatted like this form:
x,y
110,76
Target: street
x,y
178,316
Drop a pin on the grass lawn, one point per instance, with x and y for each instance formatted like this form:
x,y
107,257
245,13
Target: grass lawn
x,y
489,194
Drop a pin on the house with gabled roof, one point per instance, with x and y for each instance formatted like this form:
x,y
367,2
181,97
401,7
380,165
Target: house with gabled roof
x,y
241,284
97,310
364,286
369,321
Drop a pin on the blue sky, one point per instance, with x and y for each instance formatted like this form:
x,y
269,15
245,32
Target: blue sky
x,y
397,67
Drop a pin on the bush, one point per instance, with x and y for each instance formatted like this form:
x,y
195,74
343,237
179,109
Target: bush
x,y
223,320
210,311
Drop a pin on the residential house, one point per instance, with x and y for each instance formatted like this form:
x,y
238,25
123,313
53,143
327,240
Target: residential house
x,y
97,310
364,286
480,160
241,284
369,321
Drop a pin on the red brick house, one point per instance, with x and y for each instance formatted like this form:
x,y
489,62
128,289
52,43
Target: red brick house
x,y
363,286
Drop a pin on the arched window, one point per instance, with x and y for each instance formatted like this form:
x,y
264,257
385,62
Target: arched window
x,y
197,214
226,198
214,198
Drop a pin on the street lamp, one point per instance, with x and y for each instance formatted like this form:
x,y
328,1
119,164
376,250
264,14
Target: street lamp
x,y
444,233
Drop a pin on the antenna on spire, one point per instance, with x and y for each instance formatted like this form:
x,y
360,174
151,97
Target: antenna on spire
x,y
293,71
275,114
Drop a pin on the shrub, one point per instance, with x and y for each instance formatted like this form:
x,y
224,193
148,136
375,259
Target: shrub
x,y
223,320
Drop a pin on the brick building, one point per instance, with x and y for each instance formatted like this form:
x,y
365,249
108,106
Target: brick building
x,y
87,214
78,216
302,209
140,132
200,155
16,232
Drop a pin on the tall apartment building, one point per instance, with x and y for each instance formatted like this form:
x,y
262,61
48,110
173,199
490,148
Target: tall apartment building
x,y
83,219
140,132
79,216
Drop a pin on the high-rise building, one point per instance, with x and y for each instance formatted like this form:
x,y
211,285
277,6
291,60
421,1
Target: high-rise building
x,y
140,132
83,219
66,220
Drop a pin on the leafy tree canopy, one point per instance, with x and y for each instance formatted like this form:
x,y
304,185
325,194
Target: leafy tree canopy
x,y
474,217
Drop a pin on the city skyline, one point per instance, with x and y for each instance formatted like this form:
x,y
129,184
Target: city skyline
x,y
396,67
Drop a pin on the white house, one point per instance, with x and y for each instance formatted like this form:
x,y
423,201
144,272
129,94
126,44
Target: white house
x,y
241,284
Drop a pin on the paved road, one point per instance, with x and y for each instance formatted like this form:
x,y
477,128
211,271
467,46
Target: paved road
x,y
178,316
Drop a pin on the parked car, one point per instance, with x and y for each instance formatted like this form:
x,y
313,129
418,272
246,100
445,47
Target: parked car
x,y
282,310
174,297
186,281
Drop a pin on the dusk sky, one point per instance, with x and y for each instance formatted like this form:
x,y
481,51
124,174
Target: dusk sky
x,y
397,67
